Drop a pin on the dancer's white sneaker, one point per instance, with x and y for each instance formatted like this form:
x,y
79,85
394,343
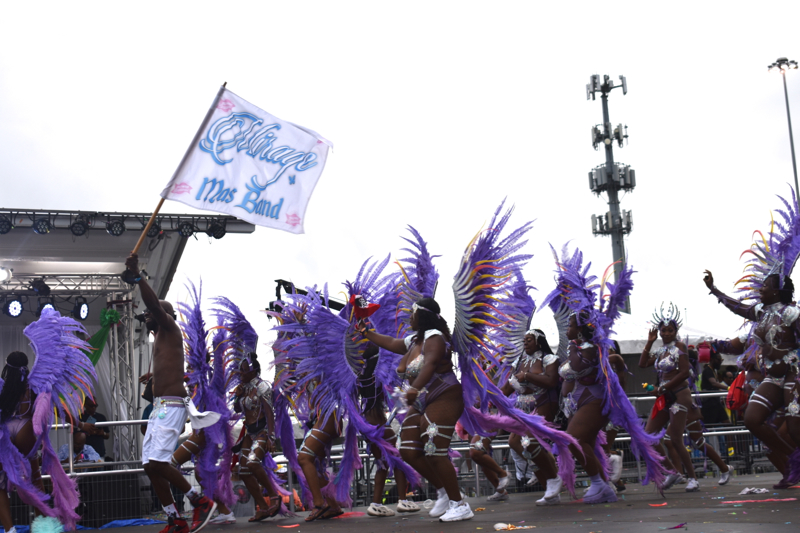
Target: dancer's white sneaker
x,y
555,500
502,482
498,496
554,487
692,485
407,506
441,505
606,494
671,480
724,477
223,519
457,511
377,509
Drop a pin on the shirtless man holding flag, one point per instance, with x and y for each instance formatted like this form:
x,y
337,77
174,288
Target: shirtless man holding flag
x,y
170,408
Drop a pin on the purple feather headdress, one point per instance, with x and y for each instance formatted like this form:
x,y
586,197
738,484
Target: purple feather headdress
x,y
579,291
775,254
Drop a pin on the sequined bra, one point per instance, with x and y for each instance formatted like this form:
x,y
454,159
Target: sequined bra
x,y
569,374
413,367
526,360
667,358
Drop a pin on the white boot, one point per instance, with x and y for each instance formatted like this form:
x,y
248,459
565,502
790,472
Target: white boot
x,y
554,487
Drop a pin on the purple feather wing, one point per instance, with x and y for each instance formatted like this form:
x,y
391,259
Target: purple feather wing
x,y
61,377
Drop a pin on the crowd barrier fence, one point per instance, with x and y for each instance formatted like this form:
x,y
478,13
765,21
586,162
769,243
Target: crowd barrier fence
x,y
120,490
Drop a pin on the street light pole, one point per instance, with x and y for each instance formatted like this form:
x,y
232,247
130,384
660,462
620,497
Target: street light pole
x,y
783,65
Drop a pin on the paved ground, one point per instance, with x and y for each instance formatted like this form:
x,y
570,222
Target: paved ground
x,y
640,510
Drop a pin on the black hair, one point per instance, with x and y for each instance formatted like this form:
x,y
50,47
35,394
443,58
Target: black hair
x,y
617,349
542,344
586,330
430,318
254,364
786,294
15,376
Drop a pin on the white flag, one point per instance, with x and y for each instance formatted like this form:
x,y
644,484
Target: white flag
x,y
251,165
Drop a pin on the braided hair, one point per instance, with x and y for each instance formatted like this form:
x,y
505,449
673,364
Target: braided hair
x,y
15,376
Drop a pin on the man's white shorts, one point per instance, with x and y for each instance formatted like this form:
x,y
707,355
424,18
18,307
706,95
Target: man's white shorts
x,y
165,425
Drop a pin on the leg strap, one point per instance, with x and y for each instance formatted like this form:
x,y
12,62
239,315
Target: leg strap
x,y
432,432
760,400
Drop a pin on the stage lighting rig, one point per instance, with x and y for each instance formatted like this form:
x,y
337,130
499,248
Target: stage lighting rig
x,y
45,302
5,274
115,227
40,287
6,224
42,226
13,306
81,309
80,226
216,229
154,230
186,229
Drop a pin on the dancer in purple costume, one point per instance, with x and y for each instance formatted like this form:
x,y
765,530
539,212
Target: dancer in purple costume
x,y
207,380
254,400
597,397
776,332
58,382
535,381
326,359
672,366
480,327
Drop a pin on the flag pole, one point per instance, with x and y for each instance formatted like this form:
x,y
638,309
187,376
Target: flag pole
x,y
128,276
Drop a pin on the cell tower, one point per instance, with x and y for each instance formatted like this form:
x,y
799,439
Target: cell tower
x,y
611,177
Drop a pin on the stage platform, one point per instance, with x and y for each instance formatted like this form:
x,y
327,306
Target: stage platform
x,y
639,509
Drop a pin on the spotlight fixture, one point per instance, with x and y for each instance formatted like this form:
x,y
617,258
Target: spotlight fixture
x,y
81,309
5,224
45,302
5,274
40,287
216,229
80,226
42,226
154,230
186,229
13,307
115,227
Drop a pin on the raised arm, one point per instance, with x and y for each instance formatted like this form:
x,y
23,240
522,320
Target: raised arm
x,y
384,341
734,305
732,346
149,297
647,360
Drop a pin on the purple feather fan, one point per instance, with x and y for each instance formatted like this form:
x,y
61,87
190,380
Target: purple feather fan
x,y
207,384
577,290
486,289
18,469
242,339
61,377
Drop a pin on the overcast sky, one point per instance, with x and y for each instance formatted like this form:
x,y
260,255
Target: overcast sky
x,y
437,111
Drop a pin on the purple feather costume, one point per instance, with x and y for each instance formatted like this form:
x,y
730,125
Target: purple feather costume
x,y
487,290
576,289
207,383
60,378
